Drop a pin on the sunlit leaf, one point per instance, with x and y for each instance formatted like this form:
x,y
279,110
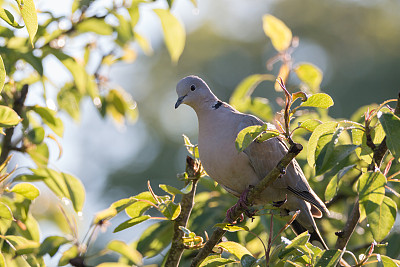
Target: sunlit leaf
x,y
215,261
155,238
192,149
131,222
320,130
382,219
174,33
235,249
125,250
170,210
122,204
26,189
387,262
283,74
2,260
8,117
298,242
51,245
371,190
105,214
328,258
333,185
278,32
69,254
310,75
39,154
5,212
96,25
49,118
231,228
137,209
174,191
246,136
2,74
310,124
9,18
319,100
124,30
21,243
144,44
28,12
391,125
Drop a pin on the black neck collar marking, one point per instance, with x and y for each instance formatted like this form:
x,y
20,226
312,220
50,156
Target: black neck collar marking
x,y
217,105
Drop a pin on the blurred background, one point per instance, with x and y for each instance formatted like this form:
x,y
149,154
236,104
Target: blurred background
x,y
355,43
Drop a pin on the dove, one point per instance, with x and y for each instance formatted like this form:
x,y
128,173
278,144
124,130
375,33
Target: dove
x,y
219,124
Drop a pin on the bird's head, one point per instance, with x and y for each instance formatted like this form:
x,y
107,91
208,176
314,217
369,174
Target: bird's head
x,y
193,91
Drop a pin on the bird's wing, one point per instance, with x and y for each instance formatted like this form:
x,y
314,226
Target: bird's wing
x,y
265,156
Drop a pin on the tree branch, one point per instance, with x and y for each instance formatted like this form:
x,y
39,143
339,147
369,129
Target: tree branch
x,y
187,202
252,195
18,105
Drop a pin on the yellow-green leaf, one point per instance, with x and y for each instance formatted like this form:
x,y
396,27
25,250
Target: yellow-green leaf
x,y
391,126
235,249
320,130
28,12
278,32
8,117
27,190
174,33
105,214
170,210
5,212
131,222
310,75
2,74
319,100
382,219
125,250
98,26
9,18
371,190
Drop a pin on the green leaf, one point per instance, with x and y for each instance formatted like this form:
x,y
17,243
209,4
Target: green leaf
x,y
246,136
9,18
21,243
364,152
2,260
328,258
137,209
192,149
319,100
2,74
122,204
387,262
260,107
382,219
125,250
174,191
297,243
39,154
49,118
310,75
63,185
51,245
96,25
28,12
391,126
8,117
78,71
248,261
124,30
278,32
5,212
144,44
105,214
69,254
371,190
231,228
174,33
235,249
131,222
212,261
36,135
170,210
319,131
310,124
240,98
27,190
333,184
155,238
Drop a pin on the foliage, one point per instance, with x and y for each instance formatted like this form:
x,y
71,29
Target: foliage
x,y
348,160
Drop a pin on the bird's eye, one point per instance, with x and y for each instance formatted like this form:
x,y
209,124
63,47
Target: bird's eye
x,y
192,87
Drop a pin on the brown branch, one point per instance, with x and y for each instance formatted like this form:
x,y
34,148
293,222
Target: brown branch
x,y
253,193
187,202
379,153
18,105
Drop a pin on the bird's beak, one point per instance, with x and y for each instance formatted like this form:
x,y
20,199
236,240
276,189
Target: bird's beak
x,y
179,101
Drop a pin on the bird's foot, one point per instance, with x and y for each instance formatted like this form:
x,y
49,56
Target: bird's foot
x,y
241,204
